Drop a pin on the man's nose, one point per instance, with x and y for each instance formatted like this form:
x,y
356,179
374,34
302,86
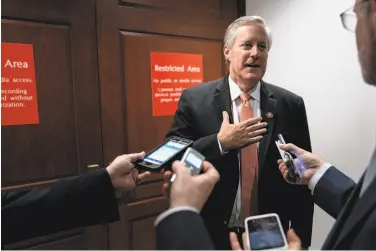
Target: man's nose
x,y
254,52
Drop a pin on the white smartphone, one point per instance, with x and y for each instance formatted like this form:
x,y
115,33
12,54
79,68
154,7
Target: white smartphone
x,y
193,160
265,232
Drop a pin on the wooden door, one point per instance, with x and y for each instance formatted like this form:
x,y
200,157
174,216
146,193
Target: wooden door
x,y
128,30
68,136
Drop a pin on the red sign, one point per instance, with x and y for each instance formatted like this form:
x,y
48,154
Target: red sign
x,y
18,90
171,73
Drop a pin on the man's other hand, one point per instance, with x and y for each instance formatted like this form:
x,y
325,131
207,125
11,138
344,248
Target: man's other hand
x,y
122,172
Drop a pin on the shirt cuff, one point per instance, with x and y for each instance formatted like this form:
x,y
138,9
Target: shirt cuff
x,y
220,148
170,211
317,176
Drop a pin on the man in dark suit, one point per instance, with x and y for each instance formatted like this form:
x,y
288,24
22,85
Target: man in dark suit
x,y
80,201
352,205
234,122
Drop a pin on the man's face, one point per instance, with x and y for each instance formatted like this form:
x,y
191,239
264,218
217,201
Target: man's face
x,y
366,39
248,53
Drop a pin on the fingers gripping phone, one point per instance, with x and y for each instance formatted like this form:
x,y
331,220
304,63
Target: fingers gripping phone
x,y
163,155
293,174
265,232
193,160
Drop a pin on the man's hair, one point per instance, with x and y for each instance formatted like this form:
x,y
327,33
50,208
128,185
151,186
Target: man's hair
x,y
241,21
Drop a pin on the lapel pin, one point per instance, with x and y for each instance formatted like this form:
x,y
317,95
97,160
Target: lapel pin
x,y
269,115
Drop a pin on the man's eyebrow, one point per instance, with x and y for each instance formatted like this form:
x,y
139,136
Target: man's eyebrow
x,y
250,40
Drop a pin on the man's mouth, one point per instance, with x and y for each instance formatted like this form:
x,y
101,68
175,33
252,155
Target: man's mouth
x,y
252,65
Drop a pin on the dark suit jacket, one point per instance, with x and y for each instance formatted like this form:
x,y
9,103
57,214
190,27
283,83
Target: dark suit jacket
x,y
183,230
73,202
199,117
355,227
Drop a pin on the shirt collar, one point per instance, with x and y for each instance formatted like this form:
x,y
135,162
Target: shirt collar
x,y
235,90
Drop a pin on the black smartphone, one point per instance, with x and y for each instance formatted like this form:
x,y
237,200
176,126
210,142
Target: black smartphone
x,y
163,155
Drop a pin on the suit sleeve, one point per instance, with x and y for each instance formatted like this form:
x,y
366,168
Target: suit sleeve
x,y
302,213
69,203
183,230
183,126
332,191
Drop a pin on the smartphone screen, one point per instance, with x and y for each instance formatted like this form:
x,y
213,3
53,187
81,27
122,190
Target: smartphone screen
x,y
165,152
265,233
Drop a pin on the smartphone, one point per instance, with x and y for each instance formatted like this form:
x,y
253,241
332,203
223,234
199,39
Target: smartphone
x,y
293,172
265,232
193,160
163,155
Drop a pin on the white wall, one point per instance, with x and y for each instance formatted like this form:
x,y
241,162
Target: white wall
x,y
313,56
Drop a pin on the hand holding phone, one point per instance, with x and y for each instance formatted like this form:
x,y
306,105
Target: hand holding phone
x,y
191,190
265,232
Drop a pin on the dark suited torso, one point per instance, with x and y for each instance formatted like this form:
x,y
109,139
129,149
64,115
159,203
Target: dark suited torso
x,y
355,227
200,116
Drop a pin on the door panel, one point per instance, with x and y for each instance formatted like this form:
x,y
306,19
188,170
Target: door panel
x,y
38,152
128,30
68,136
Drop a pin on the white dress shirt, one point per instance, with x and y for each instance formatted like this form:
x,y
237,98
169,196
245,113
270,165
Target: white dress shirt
x,y
236,220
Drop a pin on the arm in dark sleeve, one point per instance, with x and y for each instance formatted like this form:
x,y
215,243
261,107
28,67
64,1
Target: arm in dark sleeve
x,y
183,126
302,211
183,230
69,203
332,191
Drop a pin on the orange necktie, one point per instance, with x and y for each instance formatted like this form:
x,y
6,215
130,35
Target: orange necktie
x,y
249,165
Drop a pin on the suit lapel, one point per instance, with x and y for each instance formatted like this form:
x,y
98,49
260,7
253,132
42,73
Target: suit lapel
x,y
360,211
268,113
222,98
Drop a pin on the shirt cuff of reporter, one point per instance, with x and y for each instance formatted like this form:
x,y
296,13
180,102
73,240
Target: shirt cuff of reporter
x,y
171,211
317,176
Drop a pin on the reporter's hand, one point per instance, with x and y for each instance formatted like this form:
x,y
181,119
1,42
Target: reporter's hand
x,y
310,161
235,245
293,241
166,185
234,136
122,172
192,191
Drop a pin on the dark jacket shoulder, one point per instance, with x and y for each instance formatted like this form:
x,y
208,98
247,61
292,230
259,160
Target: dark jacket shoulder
x,y
279,92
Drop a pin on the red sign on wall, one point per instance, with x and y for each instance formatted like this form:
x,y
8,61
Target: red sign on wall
x,y
171,73
18,90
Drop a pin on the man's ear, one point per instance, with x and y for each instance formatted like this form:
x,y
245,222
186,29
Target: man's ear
x,y
227,53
